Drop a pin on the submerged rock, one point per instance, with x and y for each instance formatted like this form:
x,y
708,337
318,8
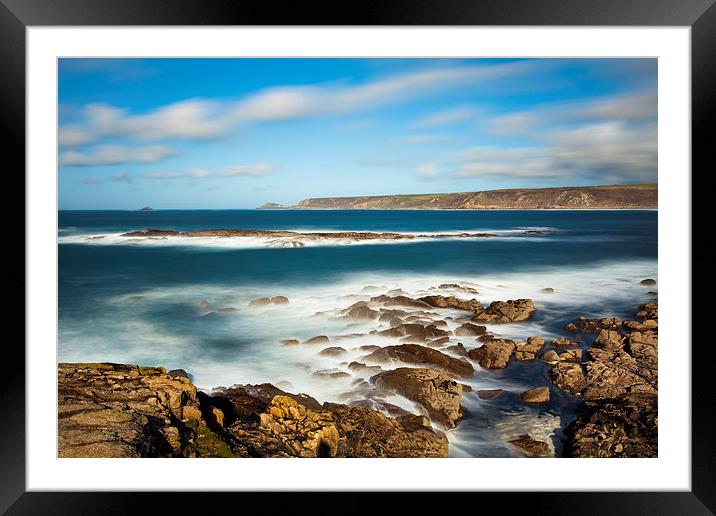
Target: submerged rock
x,y
490,394
334,351
258,303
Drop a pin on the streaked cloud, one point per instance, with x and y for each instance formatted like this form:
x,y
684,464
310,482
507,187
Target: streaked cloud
x,y
115,155
92,180
247,170
121,177
447,117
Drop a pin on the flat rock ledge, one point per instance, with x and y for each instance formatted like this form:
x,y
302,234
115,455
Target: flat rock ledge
x,y
118,410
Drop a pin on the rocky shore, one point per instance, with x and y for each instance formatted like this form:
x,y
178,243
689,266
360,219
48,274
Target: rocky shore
x,y
609,367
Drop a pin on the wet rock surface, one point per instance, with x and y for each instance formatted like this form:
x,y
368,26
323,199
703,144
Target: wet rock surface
x,y
506,311
421,355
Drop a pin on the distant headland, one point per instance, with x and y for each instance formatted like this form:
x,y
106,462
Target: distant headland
x,y
147,208
636,196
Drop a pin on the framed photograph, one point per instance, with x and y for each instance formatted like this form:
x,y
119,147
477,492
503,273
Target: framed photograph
x,y
428,244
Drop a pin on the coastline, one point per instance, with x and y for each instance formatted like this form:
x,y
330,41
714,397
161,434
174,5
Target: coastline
x,y
133,411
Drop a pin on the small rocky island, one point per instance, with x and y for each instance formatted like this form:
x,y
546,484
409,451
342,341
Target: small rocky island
x,y
147,208
117,410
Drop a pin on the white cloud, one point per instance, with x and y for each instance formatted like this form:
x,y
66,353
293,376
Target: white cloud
x,y
115,155
625,107
202,118
198,172
247,170
447,117
606,151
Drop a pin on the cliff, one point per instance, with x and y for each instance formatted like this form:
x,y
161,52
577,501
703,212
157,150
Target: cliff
x,y
583,197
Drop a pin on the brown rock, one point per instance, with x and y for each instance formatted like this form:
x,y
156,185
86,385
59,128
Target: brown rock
x,y
361,311
531,446
257,303
289,342
320,339
569,377
227,310
650,282
551,357
470,305
495,354
399,301
279,300
437,393
608,339
536,395
506,311
563,343
571,328
421,355
334,351
470,330
490,394
530,349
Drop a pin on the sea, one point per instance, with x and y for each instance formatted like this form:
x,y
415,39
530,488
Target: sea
x,y
169,302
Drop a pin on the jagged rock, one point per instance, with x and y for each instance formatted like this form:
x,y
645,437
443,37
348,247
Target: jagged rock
x,y
536,395
530,349
608,339
563,343
368,433
506,311
645,325
470,305
257,303
624,427
178,373
399,301
470,330
436,343
495,354
569,377
573,355
439,394
570,327
421,355
595,325
531,446
116,410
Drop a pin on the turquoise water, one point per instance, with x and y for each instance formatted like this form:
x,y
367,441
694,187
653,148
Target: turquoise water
x,y
139,300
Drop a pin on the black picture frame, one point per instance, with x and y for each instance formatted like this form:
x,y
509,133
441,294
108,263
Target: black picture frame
x,y
17,15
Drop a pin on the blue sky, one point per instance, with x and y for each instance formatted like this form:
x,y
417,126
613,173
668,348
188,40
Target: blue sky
x,y
236,133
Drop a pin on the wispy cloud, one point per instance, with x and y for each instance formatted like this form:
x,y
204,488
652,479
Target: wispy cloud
x,y
192,173
247,170
195,119
92,180
447,117
607,151
115,155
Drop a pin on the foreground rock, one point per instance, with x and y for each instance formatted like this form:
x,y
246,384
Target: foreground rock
x,y
624,427
619,383
421,355
506,311
113,410
531,446
439,394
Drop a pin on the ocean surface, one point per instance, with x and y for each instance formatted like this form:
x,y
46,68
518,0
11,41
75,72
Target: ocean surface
x,y
157,301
